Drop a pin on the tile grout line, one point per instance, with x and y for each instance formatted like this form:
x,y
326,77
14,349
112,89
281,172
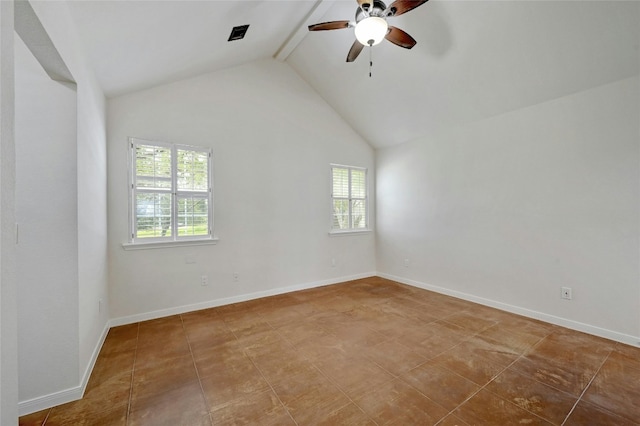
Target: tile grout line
x,y
195,367
522,350
44,422
540,382
319,370
133,371
262,375
272,389
397,377
587,387
325,376
440,353
493,379
340,389
452,347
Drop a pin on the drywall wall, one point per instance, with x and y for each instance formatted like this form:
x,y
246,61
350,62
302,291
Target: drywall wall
x,y
273,139
510,209
8,287
91,181
47,250
85,158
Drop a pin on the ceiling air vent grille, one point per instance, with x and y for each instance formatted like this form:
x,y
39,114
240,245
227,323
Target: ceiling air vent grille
x,y
237,33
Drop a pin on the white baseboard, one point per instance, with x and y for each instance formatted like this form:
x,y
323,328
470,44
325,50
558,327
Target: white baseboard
x,y
67,395
552,319
75,393
94,357
48,401
229,300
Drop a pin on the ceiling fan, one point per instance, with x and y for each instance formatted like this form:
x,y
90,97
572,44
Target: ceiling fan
x,y
371,25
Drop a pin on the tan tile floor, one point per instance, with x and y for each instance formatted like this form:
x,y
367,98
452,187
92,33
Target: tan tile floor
x,y
364,352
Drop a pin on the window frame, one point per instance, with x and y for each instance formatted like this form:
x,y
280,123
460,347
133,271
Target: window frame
x,y
351,229
174,239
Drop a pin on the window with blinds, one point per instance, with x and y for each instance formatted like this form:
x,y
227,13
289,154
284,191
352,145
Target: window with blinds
x,y
171,192
349,198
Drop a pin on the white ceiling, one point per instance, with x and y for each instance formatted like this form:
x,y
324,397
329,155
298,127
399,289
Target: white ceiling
x,y
474,59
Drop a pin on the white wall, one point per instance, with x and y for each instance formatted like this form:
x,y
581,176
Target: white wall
x,y
273,138
86,175
8,288
91,180
509,209
46,210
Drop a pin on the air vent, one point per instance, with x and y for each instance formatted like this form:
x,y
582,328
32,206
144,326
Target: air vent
x,y
238,33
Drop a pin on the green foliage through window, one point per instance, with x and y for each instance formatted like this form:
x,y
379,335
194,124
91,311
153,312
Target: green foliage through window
x,y
170,191
349,194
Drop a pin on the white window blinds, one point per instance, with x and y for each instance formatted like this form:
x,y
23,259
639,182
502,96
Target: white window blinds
x,y
349,198
171,192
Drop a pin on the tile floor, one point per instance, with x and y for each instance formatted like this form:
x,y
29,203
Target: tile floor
x,y
364,352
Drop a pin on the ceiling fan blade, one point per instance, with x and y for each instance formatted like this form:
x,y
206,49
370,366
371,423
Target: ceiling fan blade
x,y
399,7
355,50
400,38
333,25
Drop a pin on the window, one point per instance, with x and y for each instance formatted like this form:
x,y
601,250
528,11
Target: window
x,y
171,196
349,198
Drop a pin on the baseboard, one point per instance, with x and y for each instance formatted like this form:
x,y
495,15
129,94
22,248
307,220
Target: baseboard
x,y
68,395
48,401
75,393
94,357
229,300
552,319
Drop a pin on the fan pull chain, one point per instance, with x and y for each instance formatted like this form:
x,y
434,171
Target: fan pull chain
x,y
370,59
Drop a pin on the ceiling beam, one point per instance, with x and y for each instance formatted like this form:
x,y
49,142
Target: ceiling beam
x,y
33,34
315,14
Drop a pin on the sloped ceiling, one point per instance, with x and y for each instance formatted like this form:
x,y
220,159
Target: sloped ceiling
x,y
139,44
474,59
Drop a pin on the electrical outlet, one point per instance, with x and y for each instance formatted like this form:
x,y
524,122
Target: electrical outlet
x,y
204,280
236,277
406,263
566,293
333,262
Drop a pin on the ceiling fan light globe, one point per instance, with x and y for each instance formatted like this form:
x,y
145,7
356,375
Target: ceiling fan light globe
x,y
371,31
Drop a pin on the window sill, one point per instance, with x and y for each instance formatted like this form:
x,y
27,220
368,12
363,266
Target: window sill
x,y
349,232
168,244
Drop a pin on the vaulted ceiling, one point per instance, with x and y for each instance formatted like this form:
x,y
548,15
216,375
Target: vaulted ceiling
x,y
473,60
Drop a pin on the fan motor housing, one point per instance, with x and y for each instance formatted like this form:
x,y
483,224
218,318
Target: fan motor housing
x,y
377,9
